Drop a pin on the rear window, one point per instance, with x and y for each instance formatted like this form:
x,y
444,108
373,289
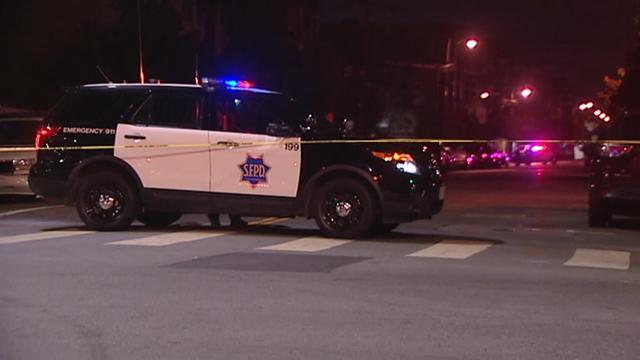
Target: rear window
x,y
18,132
95,108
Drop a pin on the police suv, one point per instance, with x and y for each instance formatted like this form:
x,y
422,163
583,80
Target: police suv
x,y
155,151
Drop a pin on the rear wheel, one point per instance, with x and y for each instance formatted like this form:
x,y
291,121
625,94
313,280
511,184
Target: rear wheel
x,y
344,209
158,218
107,201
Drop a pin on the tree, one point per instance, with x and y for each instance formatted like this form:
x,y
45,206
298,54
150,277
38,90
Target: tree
x,y
628,93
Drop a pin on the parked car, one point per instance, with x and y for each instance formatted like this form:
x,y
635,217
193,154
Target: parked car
x,y
614,186
457,156
534,152
485,155
121,165
17,130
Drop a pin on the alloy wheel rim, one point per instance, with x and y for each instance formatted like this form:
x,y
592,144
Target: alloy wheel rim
x,y
342,210
104,203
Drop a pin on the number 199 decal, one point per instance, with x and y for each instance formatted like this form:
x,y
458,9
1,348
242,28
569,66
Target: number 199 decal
x,y
292,146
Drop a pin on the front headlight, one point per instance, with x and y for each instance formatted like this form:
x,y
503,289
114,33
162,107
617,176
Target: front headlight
x,y
402,161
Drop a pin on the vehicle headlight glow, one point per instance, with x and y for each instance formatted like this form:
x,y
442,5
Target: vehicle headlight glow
x,y
403,161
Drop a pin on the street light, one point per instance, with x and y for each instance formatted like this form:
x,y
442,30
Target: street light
x,y
597,112
607,119
471,44
452,54
526,92
485,95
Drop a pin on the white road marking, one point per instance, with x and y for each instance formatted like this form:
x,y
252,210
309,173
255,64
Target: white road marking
x,y
171,238
453,249
602,259
22,211
44,235
308,244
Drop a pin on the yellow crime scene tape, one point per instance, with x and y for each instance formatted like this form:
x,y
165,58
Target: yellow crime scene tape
x,y
304,142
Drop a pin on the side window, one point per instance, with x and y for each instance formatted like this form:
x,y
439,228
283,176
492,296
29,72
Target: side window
x,y
253,113
96,108
172,110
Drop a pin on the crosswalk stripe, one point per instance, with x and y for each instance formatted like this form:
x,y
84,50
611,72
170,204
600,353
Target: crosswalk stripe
x,y
453,249
603,259
170,238
44,235
308,244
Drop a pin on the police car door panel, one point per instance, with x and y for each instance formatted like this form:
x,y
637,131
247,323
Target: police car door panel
x,y
165,158
253,164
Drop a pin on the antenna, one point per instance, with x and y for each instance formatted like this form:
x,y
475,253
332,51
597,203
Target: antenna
x,y
141,70
103,74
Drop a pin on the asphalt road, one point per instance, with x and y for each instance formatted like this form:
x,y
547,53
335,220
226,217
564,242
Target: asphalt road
x,y
509,270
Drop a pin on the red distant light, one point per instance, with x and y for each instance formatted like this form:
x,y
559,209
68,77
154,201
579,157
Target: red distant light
x,y
244,84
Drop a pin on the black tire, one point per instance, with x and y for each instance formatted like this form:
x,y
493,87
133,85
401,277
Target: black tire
x,y
107,201
158,218
344,208
599,213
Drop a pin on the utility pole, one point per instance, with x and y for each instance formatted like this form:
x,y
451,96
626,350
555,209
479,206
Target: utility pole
x,y
141,66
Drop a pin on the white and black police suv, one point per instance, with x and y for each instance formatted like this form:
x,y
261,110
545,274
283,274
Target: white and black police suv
x,y
155,151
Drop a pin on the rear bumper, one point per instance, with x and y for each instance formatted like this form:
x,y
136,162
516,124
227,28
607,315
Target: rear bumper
x,y
15,183
50,187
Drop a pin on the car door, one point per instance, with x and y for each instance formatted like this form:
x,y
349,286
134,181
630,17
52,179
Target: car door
x,y
249,156
165,143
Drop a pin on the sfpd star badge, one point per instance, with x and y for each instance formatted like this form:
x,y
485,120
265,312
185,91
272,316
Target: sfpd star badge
x,y
254,170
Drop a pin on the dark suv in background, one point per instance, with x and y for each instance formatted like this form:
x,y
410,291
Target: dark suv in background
x,y
614,187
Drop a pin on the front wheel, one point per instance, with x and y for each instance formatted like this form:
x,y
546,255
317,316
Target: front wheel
x,y
107,201
345,209
158,218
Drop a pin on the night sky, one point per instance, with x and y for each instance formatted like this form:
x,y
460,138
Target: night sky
x,y
579,40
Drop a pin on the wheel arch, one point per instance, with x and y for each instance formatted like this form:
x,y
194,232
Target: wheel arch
x,y
334,172
103,163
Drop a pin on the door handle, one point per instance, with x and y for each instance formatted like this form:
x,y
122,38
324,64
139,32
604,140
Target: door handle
x,y
135,137
228,143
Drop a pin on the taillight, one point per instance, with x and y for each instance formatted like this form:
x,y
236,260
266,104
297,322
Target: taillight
x,y
45,133
614,150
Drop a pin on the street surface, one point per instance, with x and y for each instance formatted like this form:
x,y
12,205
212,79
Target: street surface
x,y
509,270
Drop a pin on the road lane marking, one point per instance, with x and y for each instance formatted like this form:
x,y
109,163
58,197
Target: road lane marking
x,y
453,249
22,211
170,238
45,235
602,259
308,244
267,221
